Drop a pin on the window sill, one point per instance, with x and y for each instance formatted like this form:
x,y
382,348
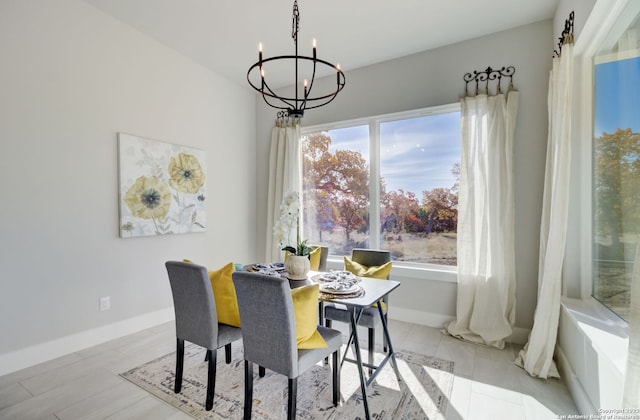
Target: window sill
x,y
608,334
407,270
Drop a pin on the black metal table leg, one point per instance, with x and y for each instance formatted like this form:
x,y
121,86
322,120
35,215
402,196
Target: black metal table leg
x,y
391,353
363,384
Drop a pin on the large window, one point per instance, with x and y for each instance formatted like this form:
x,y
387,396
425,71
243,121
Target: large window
x,y
616,169
388,182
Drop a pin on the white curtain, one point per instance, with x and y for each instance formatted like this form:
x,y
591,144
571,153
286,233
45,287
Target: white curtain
x,y
631,395
284,176
485,310
537,355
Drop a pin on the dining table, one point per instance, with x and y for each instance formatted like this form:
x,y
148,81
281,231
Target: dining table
x,y
368,293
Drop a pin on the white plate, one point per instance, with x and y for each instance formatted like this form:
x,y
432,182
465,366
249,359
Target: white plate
x,y
337,288
338,276
269,266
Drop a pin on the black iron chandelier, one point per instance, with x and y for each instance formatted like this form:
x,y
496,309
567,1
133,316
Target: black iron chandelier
x,y
294,106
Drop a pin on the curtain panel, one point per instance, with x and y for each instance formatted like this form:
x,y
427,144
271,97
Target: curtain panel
x,y
485,309
537,355
284,176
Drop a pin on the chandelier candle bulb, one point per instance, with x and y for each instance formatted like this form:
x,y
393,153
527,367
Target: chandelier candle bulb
x,y
260,54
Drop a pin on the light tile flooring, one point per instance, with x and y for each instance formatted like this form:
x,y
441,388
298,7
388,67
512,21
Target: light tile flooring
x,y
86,385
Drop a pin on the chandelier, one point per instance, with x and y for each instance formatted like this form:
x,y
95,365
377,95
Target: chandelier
x,y
295,106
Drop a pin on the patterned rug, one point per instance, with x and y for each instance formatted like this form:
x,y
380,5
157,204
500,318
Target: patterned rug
x,y
423,393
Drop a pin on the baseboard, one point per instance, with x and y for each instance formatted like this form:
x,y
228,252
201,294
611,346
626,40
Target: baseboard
x,y
419,317
576,390
39,353
519,335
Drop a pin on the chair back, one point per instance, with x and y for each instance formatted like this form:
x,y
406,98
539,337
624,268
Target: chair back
x,y
193,303
324,253
370,257
268,322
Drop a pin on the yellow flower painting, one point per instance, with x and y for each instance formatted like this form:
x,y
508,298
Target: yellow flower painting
x,y
162,187
148,198
185,173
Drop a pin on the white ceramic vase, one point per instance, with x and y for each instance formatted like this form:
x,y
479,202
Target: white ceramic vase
x,y
297,266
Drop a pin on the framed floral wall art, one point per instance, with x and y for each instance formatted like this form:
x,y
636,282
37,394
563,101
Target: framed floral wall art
x,y
162,187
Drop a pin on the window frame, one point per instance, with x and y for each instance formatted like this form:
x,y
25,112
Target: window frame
x,y
409,269
578,270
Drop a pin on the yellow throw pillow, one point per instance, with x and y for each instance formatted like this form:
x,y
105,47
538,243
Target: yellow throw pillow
x,y
375,271
305,309
314,259
225,295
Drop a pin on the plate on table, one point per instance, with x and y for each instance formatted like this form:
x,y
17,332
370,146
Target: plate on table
x,y
339,287
338,276
269,266
269,272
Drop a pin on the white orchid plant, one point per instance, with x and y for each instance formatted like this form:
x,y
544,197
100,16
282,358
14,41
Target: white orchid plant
x,y
290,219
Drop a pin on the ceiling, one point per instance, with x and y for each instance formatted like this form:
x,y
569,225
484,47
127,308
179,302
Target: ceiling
x,y
223,35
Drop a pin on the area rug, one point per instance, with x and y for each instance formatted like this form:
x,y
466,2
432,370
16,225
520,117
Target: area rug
x,y
423,393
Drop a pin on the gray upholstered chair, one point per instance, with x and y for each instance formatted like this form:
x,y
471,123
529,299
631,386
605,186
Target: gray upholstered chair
x,y
269,336
370,317
324,253
197,321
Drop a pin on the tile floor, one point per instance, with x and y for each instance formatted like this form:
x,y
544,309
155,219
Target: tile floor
x,y
86,385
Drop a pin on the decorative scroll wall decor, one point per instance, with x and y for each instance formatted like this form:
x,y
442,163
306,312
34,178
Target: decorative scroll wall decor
x,y
484,78
566,37
162,187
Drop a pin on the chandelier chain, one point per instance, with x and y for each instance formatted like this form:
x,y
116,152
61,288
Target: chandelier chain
x,y
295,24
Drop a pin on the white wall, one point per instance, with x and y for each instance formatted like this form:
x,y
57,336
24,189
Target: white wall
x,y
434,78
72,78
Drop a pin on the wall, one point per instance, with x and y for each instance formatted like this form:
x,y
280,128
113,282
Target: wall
x,y
72,79
434,78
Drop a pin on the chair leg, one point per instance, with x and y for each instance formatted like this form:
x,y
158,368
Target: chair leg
x,y
336,377
293,396
177,386
327,323
211,380
248,389
384,338
227,353
262,371
372,346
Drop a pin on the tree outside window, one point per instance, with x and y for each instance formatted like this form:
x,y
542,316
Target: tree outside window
x,y
616,172
418,162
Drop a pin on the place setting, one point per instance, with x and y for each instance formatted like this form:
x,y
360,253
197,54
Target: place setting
x,y
275,269
339,283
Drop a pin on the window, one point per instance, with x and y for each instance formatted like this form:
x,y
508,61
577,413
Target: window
x,y
388,182
616,168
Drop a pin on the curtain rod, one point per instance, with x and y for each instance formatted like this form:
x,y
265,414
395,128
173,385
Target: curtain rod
x,y
487,75
567,35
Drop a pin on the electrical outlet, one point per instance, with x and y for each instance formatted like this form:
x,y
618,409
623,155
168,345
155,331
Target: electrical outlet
x,y
105,303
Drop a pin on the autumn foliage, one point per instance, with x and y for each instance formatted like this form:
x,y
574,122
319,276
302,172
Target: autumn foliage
x,y
336,196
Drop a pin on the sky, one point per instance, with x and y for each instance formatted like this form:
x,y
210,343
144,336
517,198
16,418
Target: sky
x,y
417,154
617,96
